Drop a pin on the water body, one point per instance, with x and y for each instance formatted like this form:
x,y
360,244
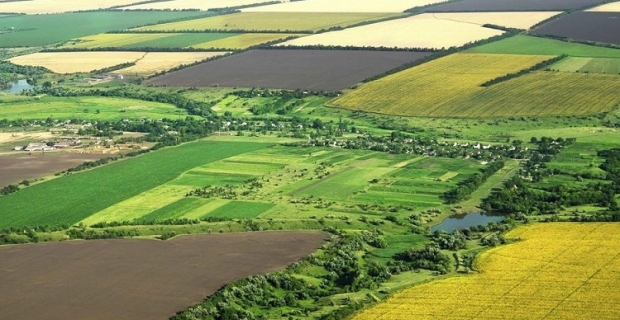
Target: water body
x,y
19,86
461,221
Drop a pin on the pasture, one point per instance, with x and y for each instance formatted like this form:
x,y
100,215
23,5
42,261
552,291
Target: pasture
x,y
555,271
518,20
339,6
103,187
584,26
328,70
435,88
510,5
145,40
138,279
46,29
522,44
89,108
268,21
420,31
588,65
192,4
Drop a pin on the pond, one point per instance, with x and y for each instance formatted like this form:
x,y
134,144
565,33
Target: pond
x,y
19,86
461,221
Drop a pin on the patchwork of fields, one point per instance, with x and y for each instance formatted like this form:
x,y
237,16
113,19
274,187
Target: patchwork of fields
x,y
146,63
420,31
268,21
555,271
518,20
329,70
584,26
192,4
340,6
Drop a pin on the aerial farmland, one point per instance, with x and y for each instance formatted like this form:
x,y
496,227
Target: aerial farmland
x,y
314,159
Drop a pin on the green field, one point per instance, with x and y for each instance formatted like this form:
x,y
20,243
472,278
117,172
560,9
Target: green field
x,y
89,108
175,210
588,65
271,21
241,210
49,203
46,29
522,44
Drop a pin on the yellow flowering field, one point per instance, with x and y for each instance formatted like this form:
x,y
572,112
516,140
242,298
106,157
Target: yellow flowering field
x,y
554,271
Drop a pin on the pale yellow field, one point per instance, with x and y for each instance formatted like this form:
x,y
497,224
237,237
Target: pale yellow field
x,y
343,6
57,6
519,20
609,7
243,41
421,31
556,271
70,62
116,39
154,62
193,4
295,21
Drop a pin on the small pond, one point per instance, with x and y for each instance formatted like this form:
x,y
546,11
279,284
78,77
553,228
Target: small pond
x,y
19,86
461,221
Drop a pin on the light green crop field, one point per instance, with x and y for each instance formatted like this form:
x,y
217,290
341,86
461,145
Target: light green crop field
x,y
89,108
45,29
271,21
588,65
522,44
49,203
241,210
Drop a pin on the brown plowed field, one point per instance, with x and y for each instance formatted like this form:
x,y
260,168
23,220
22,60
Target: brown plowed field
x,y
328,70
136,279
21,166
512,5
589,26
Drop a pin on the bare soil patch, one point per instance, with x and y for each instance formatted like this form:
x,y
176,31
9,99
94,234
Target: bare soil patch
x,y
15,168
328,70
512,5
136,279
588,26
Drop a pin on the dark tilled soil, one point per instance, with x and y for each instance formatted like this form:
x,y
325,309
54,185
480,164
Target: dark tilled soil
x,y
16,168
136,279
512,5
588,26
315,70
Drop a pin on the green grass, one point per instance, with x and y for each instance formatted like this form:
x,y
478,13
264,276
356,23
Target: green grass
x,y
175,210
522,44
45,29
75,197
588,65
181,40
89,108
241,210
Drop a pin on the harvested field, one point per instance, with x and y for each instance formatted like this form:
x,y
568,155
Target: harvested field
x,y
329,70
511,5
270,21
58,6
420,31
609,7
70,62
519,20
193,4
554,271
588,65
154,62
19,167
243,41
343,6
146,40
585,26
522,44
137,279
45,29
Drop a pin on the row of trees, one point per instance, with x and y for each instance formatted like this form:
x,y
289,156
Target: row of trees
x,y
464,189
